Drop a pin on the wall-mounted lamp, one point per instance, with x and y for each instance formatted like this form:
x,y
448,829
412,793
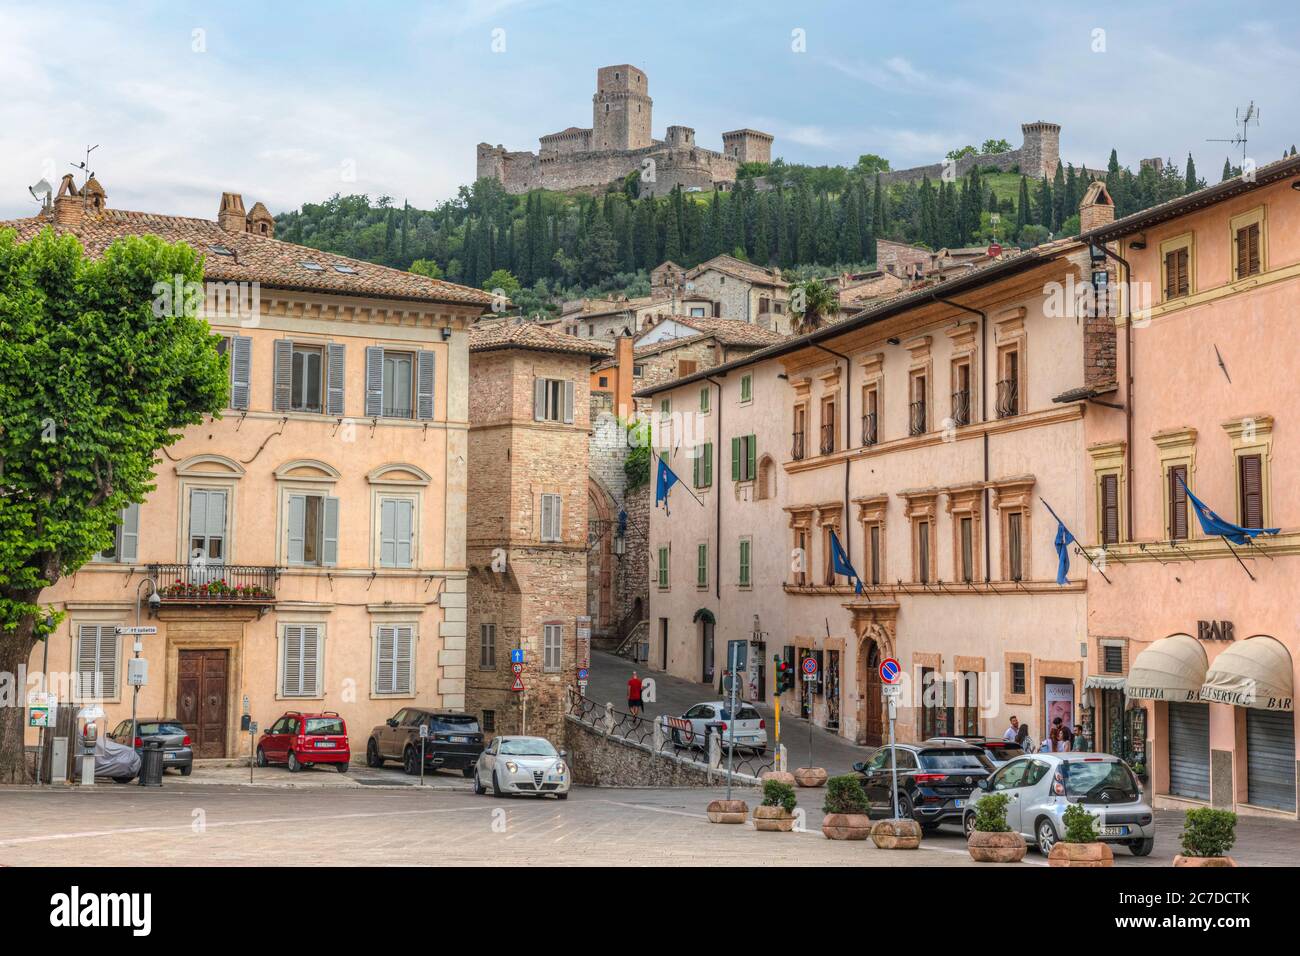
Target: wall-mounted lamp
x,y
892,341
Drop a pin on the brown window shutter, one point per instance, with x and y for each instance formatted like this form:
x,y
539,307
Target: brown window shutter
x,y
1171,275
1243,252
1252,491
1177,503
1184,283
1110,509
685,367
1252,252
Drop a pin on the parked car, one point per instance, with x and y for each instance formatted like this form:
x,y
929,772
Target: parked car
x,y
454,741
112,759
1040,787
747,731
178,754
995,748
302,740
935,781
522,765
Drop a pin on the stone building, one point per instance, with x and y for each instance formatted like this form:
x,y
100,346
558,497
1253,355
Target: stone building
x,y
620,141
741,291
527,522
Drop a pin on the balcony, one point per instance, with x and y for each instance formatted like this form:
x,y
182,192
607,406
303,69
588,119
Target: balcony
x,y
1008,398
797,451
209,585
961,407
828,438
870,434
916,419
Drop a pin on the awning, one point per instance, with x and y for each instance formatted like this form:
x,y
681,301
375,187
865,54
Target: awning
x,y
1173,668
705,615
1101,682
1255,673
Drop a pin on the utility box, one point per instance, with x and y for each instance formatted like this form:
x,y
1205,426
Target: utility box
x,y
137,672
58,768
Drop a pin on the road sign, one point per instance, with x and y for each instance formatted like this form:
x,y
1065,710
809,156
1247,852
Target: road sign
x,y
738,654
517,655
891,690
518,685
890,670
145,629
994,250
517,668
424,730
809,666
582,687
582,673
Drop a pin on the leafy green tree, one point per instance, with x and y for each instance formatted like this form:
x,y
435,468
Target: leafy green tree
x,y
870,164
960,152
504,280
99,369
994,146
812,302
1190,182
426,267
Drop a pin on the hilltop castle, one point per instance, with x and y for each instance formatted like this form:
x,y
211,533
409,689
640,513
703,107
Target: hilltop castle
x,y
619,142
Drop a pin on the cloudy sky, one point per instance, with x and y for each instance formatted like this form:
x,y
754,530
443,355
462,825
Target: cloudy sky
x,y
290,102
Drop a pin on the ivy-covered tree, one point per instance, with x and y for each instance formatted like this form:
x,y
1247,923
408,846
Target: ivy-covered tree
x,y
97,373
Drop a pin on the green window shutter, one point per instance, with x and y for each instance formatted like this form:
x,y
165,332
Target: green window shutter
x,y
708,464
695,464
752,444
735,459
663,567
744,563
704,399
746,388
702,565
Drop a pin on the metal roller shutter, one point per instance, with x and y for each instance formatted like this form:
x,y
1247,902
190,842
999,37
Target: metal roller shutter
x,y
1270,759
1189,750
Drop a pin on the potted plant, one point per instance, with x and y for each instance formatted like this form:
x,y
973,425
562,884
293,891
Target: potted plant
x,y
845,809
1208,835
810,776
991,840
1080,846
777,810
728,811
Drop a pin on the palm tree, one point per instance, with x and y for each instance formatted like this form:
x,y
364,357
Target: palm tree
x,y
812,303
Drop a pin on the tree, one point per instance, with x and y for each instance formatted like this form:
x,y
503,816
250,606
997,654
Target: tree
x,y
812,303
963,151
505,281
869,164
993,146
99,369
1227,170
426,267
1190,182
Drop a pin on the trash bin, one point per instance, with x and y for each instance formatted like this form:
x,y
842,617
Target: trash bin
x,y
151,764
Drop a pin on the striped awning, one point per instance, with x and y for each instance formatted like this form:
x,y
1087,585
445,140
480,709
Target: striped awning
x,y
1102,682
1173,668
1256,672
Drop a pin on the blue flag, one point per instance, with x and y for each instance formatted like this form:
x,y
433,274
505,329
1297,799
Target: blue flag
x,y
664,481
1063,541
840,562
1212,524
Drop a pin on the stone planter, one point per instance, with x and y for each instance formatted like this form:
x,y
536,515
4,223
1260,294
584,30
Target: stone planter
x,y
1181,860
896,834
728,811
778,819
846,826
780,776
996,847
810,776
1080,854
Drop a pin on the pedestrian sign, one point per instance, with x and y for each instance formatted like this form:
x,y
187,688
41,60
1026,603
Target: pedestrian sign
x,y
518,685
517,655
890,670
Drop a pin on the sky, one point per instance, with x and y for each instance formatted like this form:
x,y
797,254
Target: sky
x,y
290,102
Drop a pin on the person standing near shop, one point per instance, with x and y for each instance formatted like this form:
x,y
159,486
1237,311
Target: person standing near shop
x,y
1013,729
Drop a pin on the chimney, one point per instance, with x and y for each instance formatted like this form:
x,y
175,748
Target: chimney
x,y
69,206
260,221
231,217
625,357
1097,208
95,197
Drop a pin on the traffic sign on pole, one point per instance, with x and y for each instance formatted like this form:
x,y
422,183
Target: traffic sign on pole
x,y
518,685
517,668
890,670
517,655
810,667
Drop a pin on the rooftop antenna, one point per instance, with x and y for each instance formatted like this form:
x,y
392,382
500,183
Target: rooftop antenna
x,y
1245,119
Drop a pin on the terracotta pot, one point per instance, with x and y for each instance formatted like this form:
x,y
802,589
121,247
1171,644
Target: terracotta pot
x,y
1181,860
1080,854
780,776
728,811
773,818
846,826
996,847
810,776
896,834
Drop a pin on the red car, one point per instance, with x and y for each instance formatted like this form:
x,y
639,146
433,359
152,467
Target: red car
x,y
301,740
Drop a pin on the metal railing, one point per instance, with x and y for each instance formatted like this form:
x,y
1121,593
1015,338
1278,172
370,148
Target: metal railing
x,y
215,583
828,438
1008,398
961,407
916,419
870,433
797,449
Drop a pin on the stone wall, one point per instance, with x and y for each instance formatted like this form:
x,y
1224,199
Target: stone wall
x,y
600,760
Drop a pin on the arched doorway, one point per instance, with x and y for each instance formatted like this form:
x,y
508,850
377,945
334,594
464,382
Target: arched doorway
x,y
705,621
872,732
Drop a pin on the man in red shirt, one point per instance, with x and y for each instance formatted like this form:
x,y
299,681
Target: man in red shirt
x,y
634,695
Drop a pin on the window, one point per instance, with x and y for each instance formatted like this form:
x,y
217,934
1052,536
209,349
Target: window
x,y
686,367
1176,266
604,381
967,550
307,380
1008,401
313,522
1112,658
744,465
828,554
396,532
697,311
552,646
746,544
746,388
961,392
704,399
1176,524
1017,677
638,371
394,647
399,384
828,429
126,537
870,415
97,661
1248,239
665,408
300,661
702,566
918,417
801,557
489,721
552,518
704,465
240,350
663,569
553,400
798,445
1015,546
1109,509
487,647
970,703
875,566
1250,484
923,552
207,525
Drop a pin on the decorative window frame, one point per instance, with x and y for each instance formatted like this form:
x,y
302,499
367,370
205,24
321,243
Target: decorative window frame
x,y
801,520
299,619
194,477
871,514
873,378
1241,221
1014,496
964,501
110,617
1173,244
921,363
964,352
1122,644
832,395
923,506
1010,335
1108,459
400,621
830,518
1009,696
1252,435
289,484
1176,446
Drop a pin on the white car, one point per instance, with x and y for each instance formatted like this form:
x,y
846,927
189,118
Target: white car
x,y
748,731
522,765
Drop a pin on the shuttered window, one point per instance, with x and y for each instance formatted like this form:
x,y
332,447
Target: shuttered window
x,y
400,384
552,517
126,537
1250,479
300,661
394,648
396,532
744,455
663,568
97,662
704,399
1177,502
704,466
745,546
967,550
313,530
1015,554
746,388
1247,243
873,554
1110,509
1112,659
923,552
487,646
702,566
552,646
1177,273
552,400
240,350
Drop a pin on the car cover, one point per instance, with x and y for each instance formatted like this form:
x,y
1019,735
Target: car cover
x,y
113,760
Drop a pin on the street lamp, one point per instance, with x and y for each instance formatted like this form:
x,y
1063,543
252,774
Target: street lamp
x,y
154,601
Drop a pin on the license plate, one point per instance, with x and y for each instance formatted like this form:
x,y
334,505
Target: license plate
x,y
459,740
957,803
326,743
1115,831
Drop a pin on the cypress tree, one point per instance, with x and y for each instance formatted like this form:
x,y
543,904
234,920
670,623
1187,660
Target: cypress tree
x,y
1022,205
1190,184
1227,170
1060,212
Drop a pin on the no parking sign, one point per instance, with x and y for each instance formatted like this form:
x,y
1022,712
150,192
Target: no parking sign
x,y
890,670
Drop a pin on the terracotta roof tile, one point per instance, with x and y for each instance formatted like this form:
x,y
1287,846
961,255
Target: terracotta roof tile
x,y
730,331
741,270
509,334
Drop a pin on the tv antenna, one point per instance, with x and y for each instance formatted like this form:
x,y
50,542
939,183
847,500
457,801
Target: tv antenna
x,y
1245,119
84,165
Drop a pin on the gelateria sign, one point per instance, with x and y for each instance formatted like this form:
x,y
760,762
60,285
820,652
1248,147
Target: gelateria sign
x,y
1256,672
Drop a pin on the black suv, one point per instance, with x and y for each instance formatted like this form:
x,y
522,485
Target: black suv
x,y
453,742
935,781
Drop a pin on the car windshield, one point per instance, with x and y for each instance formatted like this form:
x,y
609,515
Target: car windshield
x,y
1004,751
154,727
527,747
1088,779
325,727
743,713
453,725
954,760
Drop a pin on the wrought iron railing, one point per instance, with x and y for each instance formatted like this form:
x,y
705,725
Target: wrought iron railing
x,y
961,407
1008,398
214,583
797,449
828,438
870,434
916,421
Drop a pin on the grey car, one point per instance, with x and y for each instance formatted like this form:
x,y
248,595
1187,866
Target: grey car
x,y
522,765
178,752
1040,786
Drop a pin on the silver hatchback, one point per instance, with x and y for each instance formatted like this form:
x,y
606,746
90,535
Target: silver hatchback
x,y
1040,786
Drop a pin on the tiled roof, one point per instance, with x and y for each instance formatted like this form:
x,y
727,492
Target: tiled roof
x,y
741,270
511,334
730,331
254,258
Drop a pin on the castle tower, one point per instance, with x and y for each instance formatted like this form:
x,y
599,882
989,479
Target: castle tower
x,y
747,146
621,109
1041,150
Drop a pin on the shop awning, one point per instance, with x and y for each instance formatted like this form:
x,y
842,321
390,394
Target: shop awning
x,y
1101,682
1255,673
1173,668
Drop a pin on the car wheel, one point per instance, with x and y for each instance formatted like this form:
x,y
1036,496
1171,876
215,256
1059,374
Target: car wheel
x,y
479,789
1142,847
929,827
410,762
1047,838
187,770
496,787
467,771
904,807
294,763
372,754
261,757
343,767
968,824
562,796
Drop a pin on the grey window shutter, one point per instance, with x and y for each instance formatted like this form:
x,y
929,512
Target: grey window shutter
x,y
546,517
384,660
388,533
292,681
330,534
336,373
539,399
424,382
297,521
404,640
216,515
374,381
568,403
241,368
107,652
283,397
311,671
557,518
128,534
198,513
403,533
87,659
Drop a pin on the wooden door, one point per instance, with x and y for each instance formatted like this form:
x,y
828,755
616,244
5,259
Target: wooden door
x,y
201,700
873,726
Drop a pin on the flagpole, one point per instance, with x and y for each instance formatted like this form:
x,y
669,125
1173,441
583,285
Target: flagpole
x,y
679,479
1237,556
1082,550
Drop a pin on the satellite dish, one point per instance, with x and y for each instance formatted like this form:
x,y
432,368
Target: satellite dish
x,y
41,191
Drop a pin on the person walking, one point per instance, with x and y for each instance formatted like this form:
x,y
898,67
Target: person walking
x,y
1023,738
634,695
